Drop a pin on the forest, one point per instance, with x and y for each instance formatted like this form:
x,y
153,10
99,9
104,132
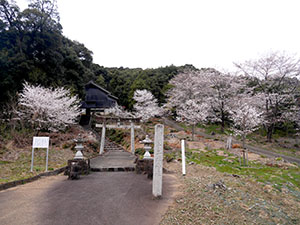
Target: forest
x,y
33,49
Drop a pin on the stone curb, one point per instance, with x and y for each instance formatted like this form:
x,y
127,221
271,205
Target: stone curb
x,y
113,169
28,180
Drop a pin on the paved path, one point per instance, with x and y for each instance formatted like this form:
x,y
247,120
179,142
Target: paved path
x,y
257,150
118,198
113,160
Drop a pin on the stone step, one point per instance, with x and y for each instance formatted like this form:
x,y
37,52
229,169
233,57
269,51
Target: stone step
x,y
113,169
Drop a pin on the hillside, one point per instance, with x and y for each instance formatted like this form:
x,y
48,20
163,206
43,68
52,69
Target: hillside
x,y
15,153
218,189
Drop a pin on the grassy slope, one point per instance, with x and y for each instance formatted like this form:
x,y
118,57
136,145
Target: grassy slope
x,y
15,157
218,190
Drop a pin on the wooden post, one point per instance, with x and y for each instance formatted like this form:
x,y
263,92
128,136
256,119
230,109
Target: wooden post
x,y
132,138
158,161
102,138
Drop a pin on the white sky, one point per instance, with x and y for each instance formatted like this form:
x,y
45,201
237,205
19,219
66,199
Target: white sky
x,y
205,33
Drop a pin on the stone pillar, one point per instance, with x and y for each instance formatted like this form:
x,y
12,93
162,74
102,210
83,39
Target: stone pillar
x,y
102,138
158,161
132,137
229,142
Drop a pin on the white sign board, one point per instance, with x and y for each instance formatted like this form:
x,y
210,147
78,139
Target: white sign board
x,y
40,142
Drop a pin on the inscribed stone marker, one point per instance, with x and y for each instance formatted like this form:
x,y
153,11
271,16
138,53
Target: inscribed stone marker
x,y
158,160
102,139
132,137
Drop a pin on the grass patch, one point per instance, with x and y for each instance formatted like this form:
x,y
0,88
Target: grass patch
x,y
4,162
274,175
116,135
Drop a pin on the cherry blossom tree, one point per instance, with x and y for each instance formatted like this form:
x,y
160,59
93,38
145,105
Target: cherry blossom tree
x,y
185,87
219,92
208,85
119,111
193,112
146,105
246,117
48,108
274,77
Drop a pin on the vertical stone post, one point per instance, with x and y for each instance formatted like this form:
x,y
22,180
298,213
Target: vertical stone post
x,y
158,161
132,137
102,138
229,142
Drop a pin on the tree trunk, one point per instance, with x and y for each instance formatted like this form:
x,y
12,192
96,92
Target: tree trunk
x,y
243,139
222,119
222,126
193,132
270,133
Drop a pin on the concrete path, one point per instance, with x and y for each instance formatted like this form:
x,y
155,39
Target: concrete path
x,y
114,160
118,198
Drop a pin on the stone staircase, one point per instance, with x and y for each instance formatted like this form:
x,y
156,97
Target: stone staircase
x,y
112,146
114,159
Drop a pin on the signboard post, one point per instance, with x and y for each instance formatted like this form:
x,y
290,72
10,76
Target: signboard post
x,y
40,142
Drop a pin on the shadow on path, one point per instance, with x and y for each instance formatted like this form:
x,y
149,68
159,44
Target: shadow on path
x,y
99,198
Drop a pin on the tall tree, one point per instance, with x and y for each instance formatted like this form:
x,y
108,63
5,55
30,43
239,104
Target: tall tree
x,y
246,116
193,112
274,77
146,106
32,48
205,85
47,108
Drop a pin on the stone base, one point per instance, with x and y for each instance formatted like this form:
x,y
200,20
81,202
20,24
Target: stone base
x,y
77,167
145,166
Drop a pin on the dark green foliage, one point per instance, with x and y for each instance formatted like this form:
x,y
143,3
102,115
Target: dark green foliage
x,y
33,49
122,82
116,135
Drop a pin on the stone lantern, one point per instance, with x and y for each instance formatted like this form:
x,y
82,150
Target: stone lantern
x,y
147,146
79,147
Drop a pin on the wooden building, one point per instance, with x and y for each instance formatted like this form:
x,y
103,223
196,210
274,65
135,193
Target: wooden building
x,y
96,99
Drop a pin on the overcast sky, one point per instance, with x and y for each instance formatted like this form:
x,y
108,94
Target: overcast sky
x,y
205,33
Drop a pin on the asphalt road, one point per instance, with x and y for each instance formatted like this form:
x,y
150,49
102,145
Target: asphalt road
x,y
117,198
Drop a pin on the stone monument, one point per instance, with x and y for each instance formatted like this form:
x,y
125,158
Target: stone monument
x,y
158,161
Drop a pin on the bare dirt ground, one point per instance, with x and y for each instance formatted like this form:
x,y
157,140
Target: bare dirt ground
x,y
211,197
